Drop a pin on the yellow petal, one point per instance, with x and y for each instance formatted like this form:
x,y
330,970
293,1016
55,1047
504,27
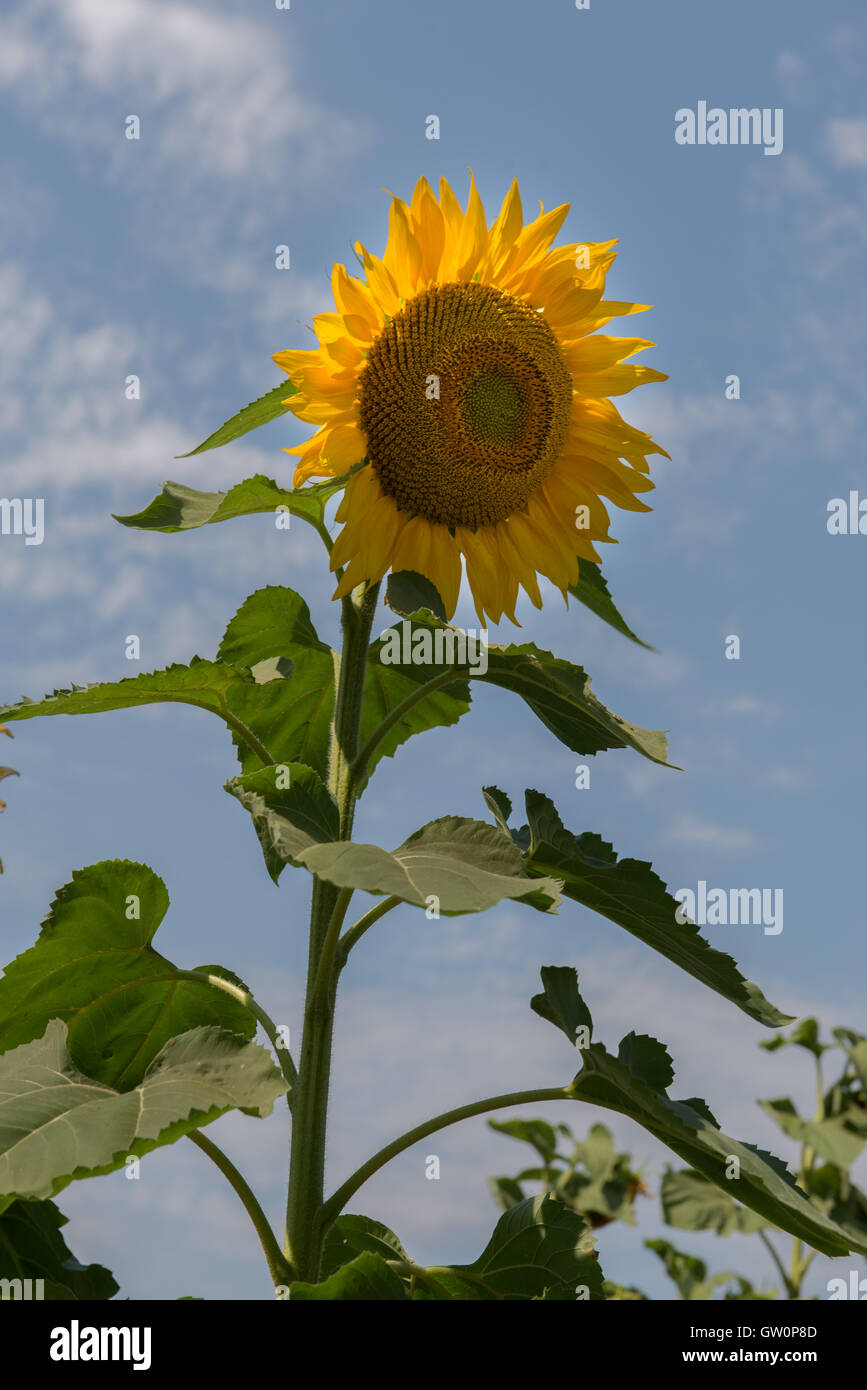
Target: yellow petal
x,y
473,240
444,567
344,446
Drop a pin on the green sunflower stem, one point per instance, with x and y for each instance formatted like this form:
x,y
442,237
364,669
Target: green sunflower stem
x,y
304,1226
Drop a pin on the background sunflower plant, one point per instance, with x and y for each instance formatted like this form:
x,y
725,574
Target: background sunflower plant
x,y
460,401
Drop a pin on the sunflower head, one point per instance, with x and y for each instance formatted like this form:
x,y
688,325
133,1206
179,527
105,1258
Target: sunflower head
x,y
466,369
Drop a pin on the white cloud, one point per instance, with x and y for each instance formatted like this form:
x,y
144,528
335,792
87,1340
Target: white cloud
x,y
847,142
214,91
697,833
788,64
752,707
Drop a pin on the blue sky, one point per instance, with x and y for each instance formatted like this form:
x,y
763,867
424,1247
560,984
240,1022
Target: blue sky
x,y
156,257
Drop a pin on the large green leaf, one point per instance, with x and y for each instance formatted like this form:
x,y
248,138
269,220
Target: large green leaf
x,y
763,1184
181,508
540,1249
57,1124
691,1202
592,590
628,892
31,1247
94,966
259,412
557,691
466,865
202,683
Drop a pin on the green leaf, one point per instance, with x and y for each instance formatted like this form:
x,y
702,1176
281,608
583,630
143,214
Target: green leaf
x,y
467,865
407,592
628,892
365,1279
499,806
386,686
561,1004
855,1047
838,1139
805,1034
592,591
538,1133
647,1059
688,1272
764,1183
506,1192
56,1124
834,1193
291,716
94,967
556,691
691,1202
202,683
181,508
288,819
351,1235
539,1250
31,1247
260,412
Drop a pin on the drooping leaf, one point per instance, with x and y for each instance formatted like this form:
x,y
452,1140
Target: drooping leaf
x,y
592,590
56,1124
31,1247
94,967
259,412
181,508
691,1202
628,892
466,865
366,1279
560,1003
557,691
763,1184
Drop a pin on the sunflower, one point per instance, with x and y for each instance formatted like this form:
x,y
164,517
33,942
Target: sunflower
x,y
465,369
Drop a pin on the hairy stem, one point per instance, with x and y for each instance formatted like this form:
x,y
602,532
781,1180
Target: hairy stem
x,y
337,1201
279,1268
304,1229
